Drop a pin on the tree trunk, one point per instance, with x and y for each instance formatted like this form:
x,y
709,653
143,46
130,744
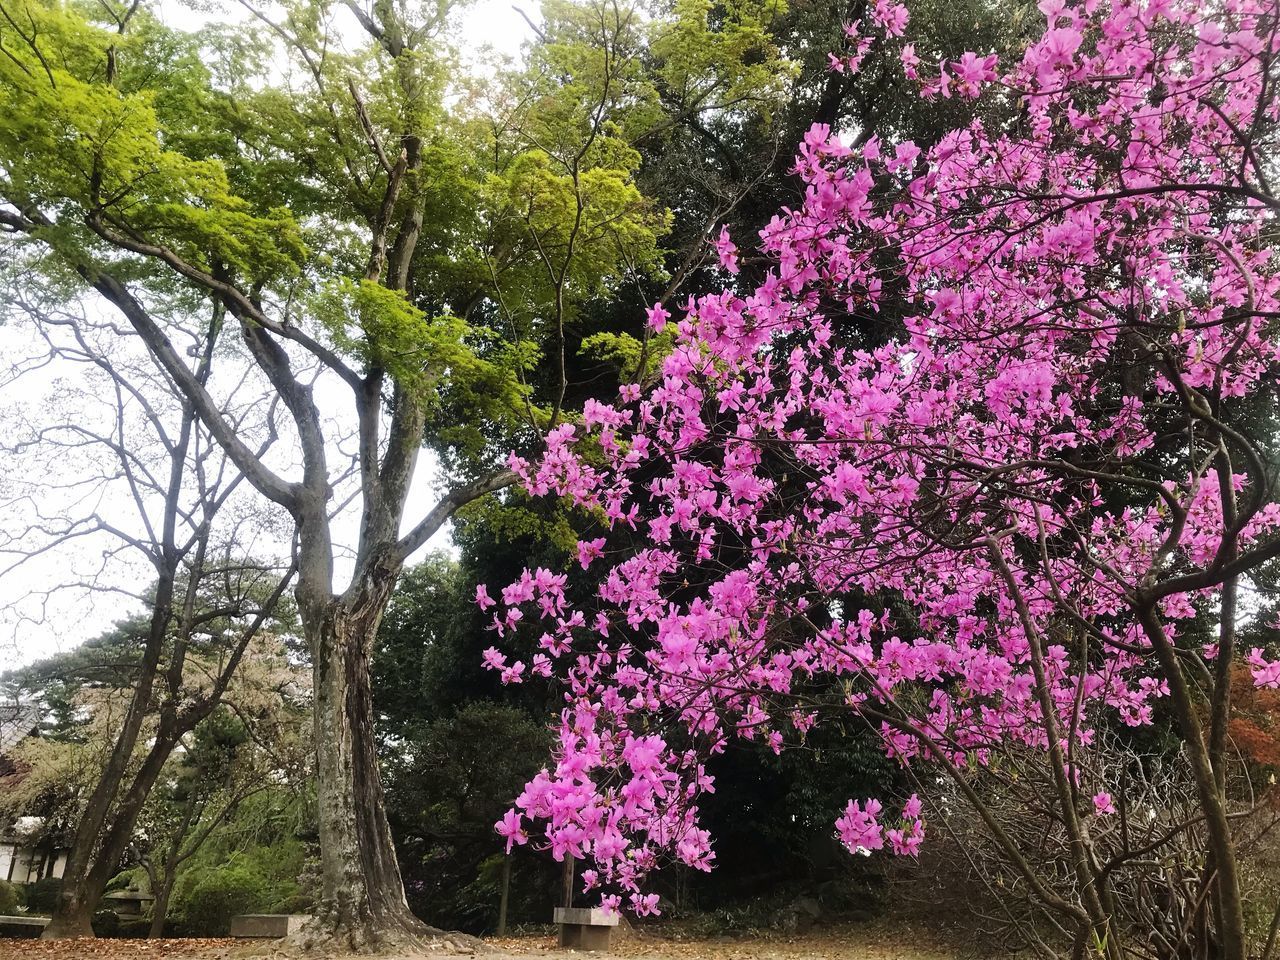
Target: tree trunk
x,y
162,884
160,907
566,882
362,901
80,902
79,898
505,896
73,915
1230,937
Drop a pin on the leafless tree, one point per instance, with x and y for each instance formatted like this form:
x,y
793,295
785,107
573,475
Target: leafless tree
x,y
117,465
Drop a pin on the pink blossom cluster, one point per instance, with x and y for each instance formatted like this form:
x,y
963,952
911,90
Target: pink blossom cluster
x,y
860,830
1053,305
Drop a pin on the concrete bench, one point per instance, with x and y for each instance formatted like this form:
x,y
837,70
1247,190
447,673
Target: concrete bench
x,y
30,927
267,925
585,928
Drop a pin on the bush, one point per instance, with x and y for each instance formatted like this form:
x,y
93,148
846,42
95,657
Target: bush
x,y
133,879
8,898
297,903
131,928
222,894
42,896
105,923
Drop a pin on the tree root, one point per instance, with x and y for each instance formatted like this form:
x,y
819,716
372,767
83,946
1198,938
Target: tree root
x,y
400,940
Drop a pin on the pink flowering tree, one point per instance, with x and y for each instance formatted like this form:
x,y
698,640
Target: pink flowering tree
x,y
1045,459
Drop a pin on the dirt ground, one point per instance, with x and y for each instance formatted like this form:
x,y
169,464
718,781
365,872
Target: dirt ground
x,y
861,942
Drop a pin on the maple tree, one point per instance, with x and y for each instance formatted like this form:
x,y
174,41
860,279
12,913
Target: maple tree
x,y
399,254
1047,461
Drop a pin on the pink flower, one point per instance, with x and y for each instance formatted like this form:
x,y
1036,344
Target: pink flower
x,y
727,251
483,600
658,317
904,156
858,828
514,673
1056,49
1061,43
906,842
1266,673
1051,9
891,17
1102,805
589,550
973,72
511,828
910,62
644,904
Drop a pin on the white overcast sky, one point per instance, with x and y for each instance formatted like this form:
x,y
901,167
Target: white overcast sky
x,y
33,626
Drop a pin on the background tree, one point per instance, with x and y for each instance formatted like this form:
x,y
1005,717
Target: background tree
x,y
261,859
435,274
90,692
333,300
142,479
240,751
1081,326
707,115
369,278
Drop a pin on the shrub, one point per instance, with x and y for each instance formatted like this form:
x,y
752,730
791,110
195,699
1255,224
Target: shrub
x,y
133,879
222,894
131,928
8,898
296,903
42,896
105,923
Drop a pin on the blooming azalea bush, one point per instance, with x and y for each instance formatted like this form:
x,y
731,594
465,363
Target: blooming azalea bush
x,y
1045,457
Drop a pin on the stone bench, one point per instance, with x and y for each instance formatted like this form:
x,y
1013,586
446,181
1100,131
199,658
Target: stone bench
x,y
30,927
585,928
267,925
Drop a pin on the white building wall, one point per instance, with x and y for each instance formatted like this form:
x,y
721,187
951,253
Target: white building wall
x,y
25,864
20,871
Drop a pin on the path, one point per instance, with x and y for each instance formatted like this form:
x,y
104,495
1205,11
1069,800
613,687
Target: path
x,y
862,942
